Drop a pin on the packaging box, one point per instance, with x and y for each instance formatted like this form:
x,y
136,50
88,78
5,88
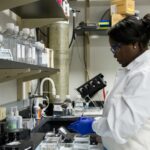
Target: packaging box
x,y
118,1
115,18
123,7
115,1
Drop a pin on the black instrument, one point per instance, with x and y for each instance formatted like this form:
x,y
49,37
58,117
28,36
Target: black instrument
x,y
91,87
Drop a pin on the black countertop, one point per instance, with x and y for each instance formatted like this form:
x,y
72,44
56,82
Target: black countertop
x,y
49,123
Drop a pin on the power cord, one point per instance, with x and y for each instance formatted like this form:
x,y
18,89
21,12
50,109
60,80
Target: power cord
x,y
74,11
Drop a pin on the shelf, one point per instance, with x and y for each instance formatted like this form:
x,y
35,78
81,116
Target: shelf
x,y
91,31
95,2
10,70
8,4
40,12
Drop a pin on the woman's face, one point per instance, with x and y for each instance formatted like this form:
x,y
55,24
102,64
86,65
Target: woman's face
x,y
124,53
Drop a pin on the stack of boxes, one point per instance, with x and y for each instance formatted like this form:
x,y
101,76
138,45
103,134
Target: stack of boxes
x,y
120,9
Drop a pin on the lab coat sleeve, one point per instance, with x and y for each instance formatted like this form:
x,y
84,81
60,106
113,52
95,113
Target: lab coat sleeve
x,y
130,112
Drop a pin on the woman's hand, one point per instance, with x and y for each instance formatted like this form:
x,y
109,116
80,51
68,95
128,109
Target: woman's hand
x,y
83,125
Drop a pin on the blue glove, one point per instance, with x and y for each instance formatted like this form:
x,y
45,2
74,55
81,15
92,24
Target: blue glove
x,y
83,125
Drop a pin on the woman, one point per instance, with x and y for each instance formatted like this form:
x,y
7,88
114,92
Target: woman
x,y
125,124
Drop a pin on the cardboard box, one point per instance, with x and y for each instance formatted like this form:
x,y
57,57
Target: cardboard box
x,y
115,1
119,1
123,7
115,18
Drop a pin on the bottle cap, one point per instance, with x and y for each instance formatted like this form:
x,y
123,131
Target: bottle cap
x,y
68,97
57,96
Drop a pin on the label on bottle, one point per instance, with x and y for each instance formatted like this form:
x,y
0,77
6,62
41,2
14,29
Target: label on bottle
x,y
5,54
57,108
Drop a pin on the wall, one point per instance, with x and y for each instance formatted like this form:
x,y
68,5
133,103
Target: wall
x,y
101,59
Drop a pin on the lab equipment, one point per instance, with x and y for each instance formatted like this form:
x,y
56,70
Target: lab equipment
x,y
83,125
78,106
57,108
50,143
66,146
11,121
91,87
66,135
68,109
19,120
81,142
52,83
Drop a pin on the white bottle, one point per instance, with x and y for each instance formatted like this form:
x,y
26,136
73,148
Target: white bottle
x,y
11,121
69,110
19,120
79,105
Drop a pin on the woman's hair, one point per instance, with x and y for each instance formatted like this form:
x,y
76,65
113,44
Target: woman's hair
x,y
132,30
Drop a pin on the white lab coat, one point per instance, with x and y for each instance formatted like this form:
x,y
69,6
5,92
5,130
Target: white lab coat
x,y
125,124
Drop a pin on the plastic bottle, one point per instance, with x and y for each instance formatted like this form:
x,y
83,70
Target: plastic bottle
x,y
39,49
19,120
79,105
57,109
69,110
37,111
11,121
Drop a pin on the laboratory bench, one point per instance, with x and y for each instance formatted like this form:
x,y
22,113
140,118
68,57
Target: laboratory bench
x,y
45,125
37,135
51,122
31,143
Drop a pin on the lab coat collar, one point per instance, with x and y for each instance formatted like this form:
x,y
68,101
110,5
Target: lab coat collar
x,y
139,59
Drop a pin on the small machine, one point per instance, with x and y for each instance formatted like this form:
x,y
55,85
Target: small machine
x,y
91,87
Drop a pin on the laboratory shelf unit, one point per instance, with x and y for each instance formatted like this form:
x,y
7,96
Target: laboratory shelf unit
x,y
10,70
8,4
91,31
40,13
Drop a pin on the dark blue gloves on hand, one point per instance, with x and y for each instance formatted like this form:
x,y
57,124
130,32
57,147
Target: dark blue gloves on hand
x,y
83,125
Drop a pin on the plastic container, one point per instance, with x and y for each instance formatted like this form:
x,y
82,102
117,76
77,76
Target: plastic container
x,y
57,109
45,57
28,52
11,121
39,49
78,106
19,120
37,111
69,109
81,142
